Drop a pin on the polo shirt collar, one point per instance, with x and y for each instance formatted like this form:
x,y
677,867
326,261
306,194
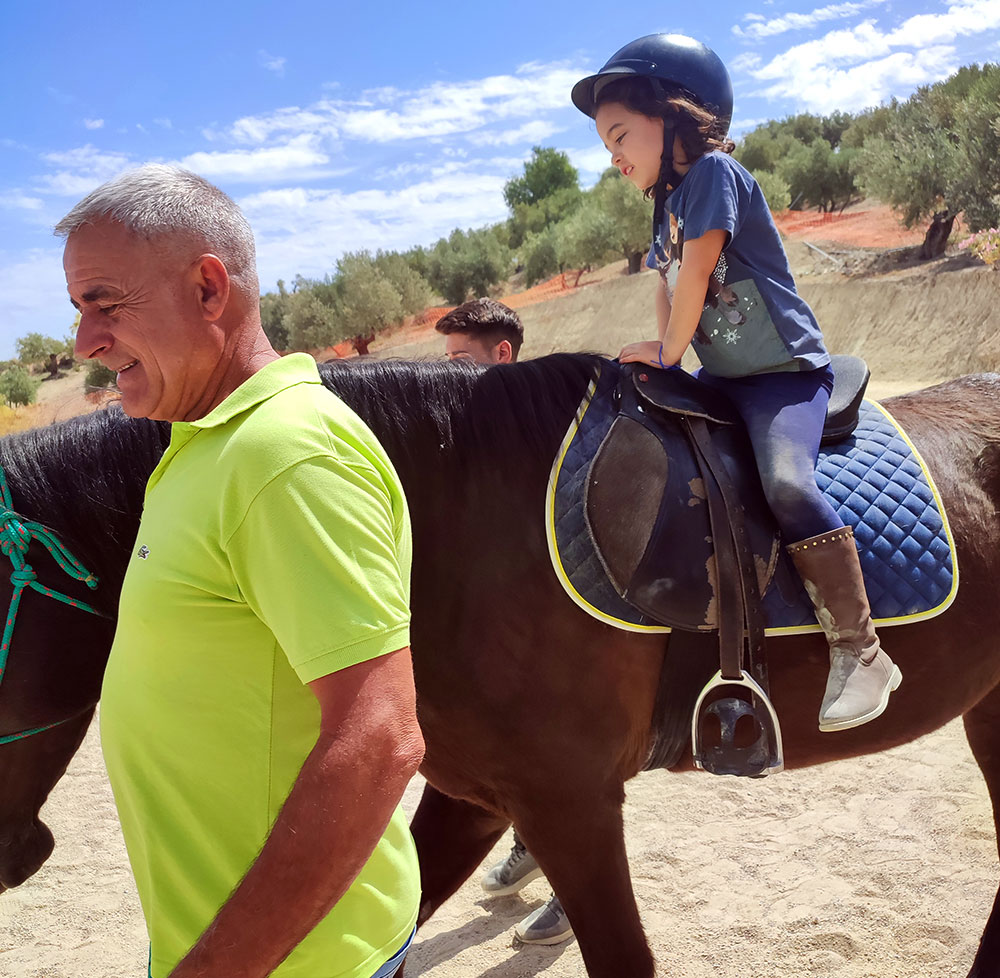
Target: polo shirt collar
x,y
278,375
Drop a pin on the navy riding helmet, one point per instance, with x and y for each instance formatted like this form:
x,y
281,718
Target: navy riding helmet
x,y
668,60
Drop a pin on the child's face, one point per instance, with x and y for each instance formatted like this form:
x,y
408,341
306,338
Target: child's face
x,y
634,140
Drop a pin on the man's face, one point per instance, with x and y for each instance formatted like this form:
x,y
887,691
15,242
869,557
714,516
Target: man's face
x,y
465,346
140,316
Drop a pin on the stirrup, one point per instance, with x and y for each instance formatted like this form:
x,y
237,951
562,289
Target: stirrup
x,y
764,756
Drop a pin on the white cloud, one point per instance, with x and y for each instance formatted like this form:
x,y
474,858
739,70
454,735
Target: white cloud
x,y
745,125
760,27
297,158
865,64
271,62
15,200
855,44
746,61
441,109
164,123
83,169
292,120
305,231
93,123
592,161
531,132
826,88
962,18
34,290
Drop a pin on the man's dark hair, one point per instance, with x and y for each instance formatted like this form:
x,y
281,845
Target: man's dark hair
x,y
487,320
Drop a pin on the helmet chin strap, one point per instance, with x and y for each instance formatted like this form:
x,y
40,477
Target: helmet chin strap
x,y
668,177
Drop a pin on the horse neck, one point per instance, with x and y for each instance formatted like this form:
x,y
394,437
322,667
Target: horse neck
x,y
459,433
85,479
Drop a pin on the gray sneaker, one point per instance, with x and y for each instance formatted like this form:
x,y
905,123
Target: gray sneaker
x,y
546,925
513,873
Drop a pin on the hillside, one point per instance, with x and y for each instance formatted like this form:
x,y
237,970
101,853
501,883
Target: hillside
x,y
915,324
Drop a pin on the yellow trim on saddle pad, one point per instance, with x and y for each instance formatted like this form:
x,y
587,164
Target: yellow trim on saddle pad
x,y
550,529
603,616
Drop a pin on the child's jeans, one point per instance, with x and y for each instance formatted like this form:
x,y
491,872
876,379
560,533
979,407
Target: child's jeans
x,y
784,414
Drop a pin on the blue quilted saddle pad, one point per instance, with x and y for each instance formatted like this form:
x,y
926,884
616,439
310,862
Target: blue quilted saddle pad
x,y
875,480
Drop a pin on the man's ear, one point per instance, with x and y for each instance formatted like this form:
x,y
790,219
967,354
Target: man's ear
x,y
504,352
212,286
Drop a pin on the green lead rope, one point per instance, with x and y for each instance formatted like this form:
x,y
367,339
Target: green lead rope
x,y
16,535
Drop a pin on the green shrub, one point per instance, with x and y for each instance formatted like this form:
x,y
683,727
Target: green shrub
x,y
99,376
776,190
34,349
985,245
17,386
540,254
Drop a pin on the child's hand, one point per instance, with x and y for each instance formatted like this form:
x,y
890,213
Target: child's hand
x,y
648,351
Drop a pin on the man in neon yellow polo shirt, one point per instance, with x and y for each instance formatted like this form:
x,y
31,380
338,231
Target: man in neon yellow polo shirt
x,y
258,716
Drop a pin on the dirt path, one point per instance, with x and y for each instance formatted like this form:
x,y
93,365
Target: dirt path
x,y
880,867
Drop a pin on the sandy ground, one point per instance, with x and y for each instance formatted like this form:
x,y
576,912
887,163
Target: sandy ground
x,y
881,867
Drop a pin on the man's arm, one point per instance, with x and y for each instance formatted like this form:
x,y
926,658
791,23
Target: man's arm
x,y
369,747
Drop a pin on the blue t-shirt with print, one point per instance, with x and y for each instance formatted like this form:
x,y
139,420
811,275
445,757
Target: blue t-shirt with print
x,y
754,321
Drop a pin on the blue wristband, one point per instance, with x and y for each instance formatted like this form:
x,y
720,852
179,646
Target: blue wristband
x,y
659,356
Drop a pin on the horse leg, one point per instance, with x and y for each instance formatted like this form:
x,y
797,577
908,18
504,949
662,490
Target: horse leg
x,y
982,728
453,837
580,845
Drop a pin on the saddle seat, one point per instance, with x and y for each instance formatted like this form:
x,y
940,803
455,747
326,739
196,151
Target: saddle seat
x,y
677,391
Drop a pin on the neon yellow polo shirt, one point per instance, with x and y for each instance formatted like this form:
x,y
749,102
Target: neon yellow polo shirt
x,y
274,549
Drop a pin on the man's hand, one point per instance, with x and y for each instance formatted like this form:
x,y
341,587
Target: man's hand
x,y
648,351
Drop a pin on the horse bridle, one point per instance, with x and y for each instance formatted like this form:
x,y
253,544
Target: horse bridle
x,y
16,535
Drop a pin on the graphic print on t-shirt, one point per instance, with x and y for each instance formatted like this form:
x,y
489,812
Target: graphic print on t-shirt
x,y
732,311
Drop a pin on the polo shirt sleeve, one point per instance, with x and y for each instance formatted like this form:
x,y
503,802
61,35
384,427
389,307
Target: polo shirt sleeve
x,y
322,559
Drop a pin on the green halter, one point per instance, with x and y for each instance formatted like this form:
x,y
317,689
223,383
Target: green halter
x,y
16,535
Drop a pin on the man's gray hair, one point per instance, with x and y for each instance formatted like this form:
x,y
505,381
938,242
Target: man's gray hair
x,y
156,200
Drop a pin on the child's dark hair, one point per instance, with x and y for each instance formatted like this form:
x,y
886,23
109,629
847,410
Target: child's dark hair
x,y
699,128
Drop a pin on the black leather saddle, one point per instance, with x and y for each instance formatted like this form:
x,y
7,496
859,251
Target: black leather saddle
x,y
676,511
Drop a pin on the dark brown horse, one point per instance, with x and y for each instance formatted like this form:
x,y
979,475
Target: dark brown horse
x,y
500,683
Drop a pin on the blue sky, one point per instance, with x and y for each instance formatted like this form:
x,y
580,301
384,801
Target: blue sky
x,y
338,127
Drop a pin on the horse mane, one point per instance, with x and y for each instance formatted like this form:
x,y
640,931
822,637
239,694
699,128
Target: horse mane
x,y
95,466
85,478
416,407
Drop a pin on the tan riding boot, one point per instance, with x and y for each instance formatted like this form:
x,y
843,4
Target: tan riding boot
x,y
861,675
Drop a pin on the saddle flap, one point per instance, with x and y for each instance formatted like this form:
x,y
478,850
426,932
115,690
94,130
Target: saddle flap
x,y
646,513
621,517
